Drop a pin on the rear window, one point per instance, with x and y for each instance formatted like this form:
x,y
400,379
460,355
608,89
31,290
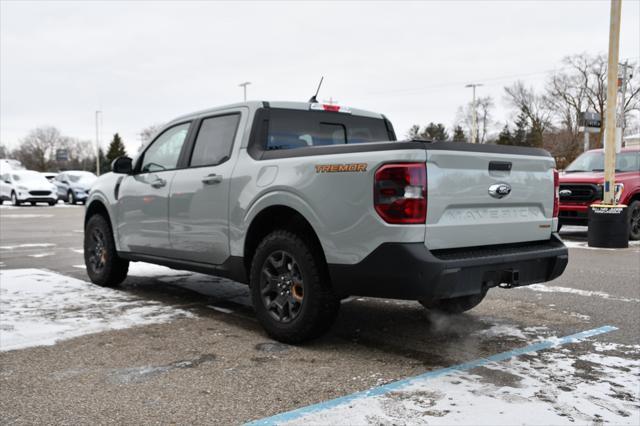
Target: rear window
x,y
290,129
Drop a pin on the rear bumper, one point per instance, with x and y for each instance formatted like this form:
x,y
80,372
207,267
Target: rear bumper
x,y
410,271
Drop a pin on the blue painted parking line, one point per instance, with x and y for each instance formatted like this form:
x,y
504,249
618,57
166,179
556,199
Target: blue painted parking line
x,y
381,390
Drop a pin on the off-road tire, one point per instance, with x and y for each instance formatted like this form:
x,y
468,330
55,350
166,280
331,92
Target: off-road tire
x,y
634,219
456,305
114,269
319,306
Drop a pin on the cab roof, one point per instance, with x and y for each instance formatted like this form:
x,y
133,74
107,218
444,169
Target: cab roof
x,y
254,105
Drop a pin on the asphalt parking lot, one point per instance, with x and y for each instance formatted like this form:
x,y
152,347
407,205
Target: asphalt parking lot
x,y
176,347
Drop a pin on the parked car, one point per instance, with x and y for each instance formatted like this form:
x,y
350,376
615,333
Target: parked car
x,y
7,164
311,203
582,182
51,176
73,186
26,186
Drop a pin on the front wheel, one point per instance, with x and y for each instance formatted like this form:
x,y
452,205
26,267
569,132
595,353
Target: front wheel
x,y
290,289
456,305
14,199
71,199
634,218
104,267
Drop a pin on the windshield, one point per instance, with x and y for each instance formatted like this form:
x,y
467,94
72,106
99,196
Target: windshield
x,y
83,178
29,178
594,162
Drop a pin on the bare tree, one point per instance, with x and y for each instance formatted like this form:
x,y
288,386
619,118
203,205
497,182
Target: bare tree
x,y
583,86
38,148
149,132
533,105
484,108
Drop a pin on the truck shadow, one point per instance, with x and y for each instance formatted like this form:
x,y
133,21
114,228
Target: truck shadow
x,y
389,329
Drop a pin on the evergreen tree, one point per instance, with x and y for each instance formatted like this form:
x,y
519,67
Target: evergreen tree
x,y
116,149
534,136
458,134
520,134
505,138
414,132
436,132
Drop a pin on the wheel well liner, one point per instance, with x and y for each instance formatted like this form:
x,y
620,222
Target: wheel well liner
x,y
96,207
278,217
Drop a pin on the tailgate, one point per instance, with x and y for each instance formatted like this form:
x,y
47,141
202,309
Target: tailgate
x,y
461,212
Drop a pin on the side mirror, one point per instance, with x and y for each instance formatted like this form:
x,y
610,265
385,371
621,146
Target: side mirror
x,y
122,165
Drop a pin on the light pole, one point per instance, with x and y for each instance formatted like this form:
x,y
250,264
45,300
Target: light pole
x,y
474,115
97,143
244,87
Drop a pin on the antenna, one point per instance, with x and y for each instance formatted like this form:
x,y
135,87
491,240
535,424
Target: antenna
x,y
313,99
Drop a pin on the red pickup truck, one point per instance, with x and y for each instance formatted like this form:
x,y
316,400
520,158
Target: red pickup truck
x,y
581,185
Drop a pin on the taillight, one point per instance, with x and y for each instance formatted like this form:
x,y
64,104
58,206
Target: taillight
x,y
556,193
400,193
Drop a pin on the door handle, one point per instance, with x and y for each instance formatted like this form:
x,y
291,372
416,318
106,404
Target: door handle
x,y
211,179
158,183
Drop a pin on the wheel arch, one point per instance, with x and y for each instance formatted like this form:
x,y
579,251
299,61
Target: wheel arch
x,y
97,206
279,217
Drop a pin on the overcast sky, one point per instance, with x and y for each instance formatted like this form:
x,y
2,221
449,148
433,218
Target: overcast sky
x,y
146,62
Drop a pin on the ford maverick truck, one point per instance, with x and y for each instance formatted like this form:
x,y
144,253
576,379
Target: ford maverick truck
x,y
310,203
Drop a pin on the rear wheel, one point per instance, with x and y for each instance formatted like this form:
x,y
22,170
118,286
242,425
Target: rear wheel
x,y
104,267
290,289
14,199
456,305
634,218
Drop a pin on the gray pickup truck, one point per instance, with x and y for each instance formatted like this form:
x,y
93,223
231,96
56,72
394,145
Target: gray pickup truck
x,y
311,203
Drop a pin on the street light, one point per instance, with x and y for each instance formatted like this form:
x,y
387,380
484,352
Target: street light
x,y
474,116
244,87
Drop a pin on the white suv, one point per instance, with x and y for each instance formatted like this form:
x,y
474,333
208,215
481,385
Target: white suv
x,y
26,186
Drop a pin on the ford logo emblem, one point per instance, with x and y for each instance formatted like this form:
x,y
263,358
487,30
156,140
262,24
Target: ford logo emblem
x,y
499,190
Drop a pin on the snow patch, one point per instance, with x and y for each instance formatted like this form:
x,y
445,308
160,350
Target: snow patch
x,y
503,330
550,388
38,245
585,245
25,216
586,293
39,307
39,255
142,269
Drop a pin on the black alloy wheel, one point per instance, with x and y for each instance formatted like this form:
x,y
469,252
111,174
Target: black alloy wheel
x,y
282,286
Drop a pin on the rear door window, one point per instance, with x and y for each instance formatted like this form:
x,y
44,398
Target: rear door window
x,y
290,129
215,140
